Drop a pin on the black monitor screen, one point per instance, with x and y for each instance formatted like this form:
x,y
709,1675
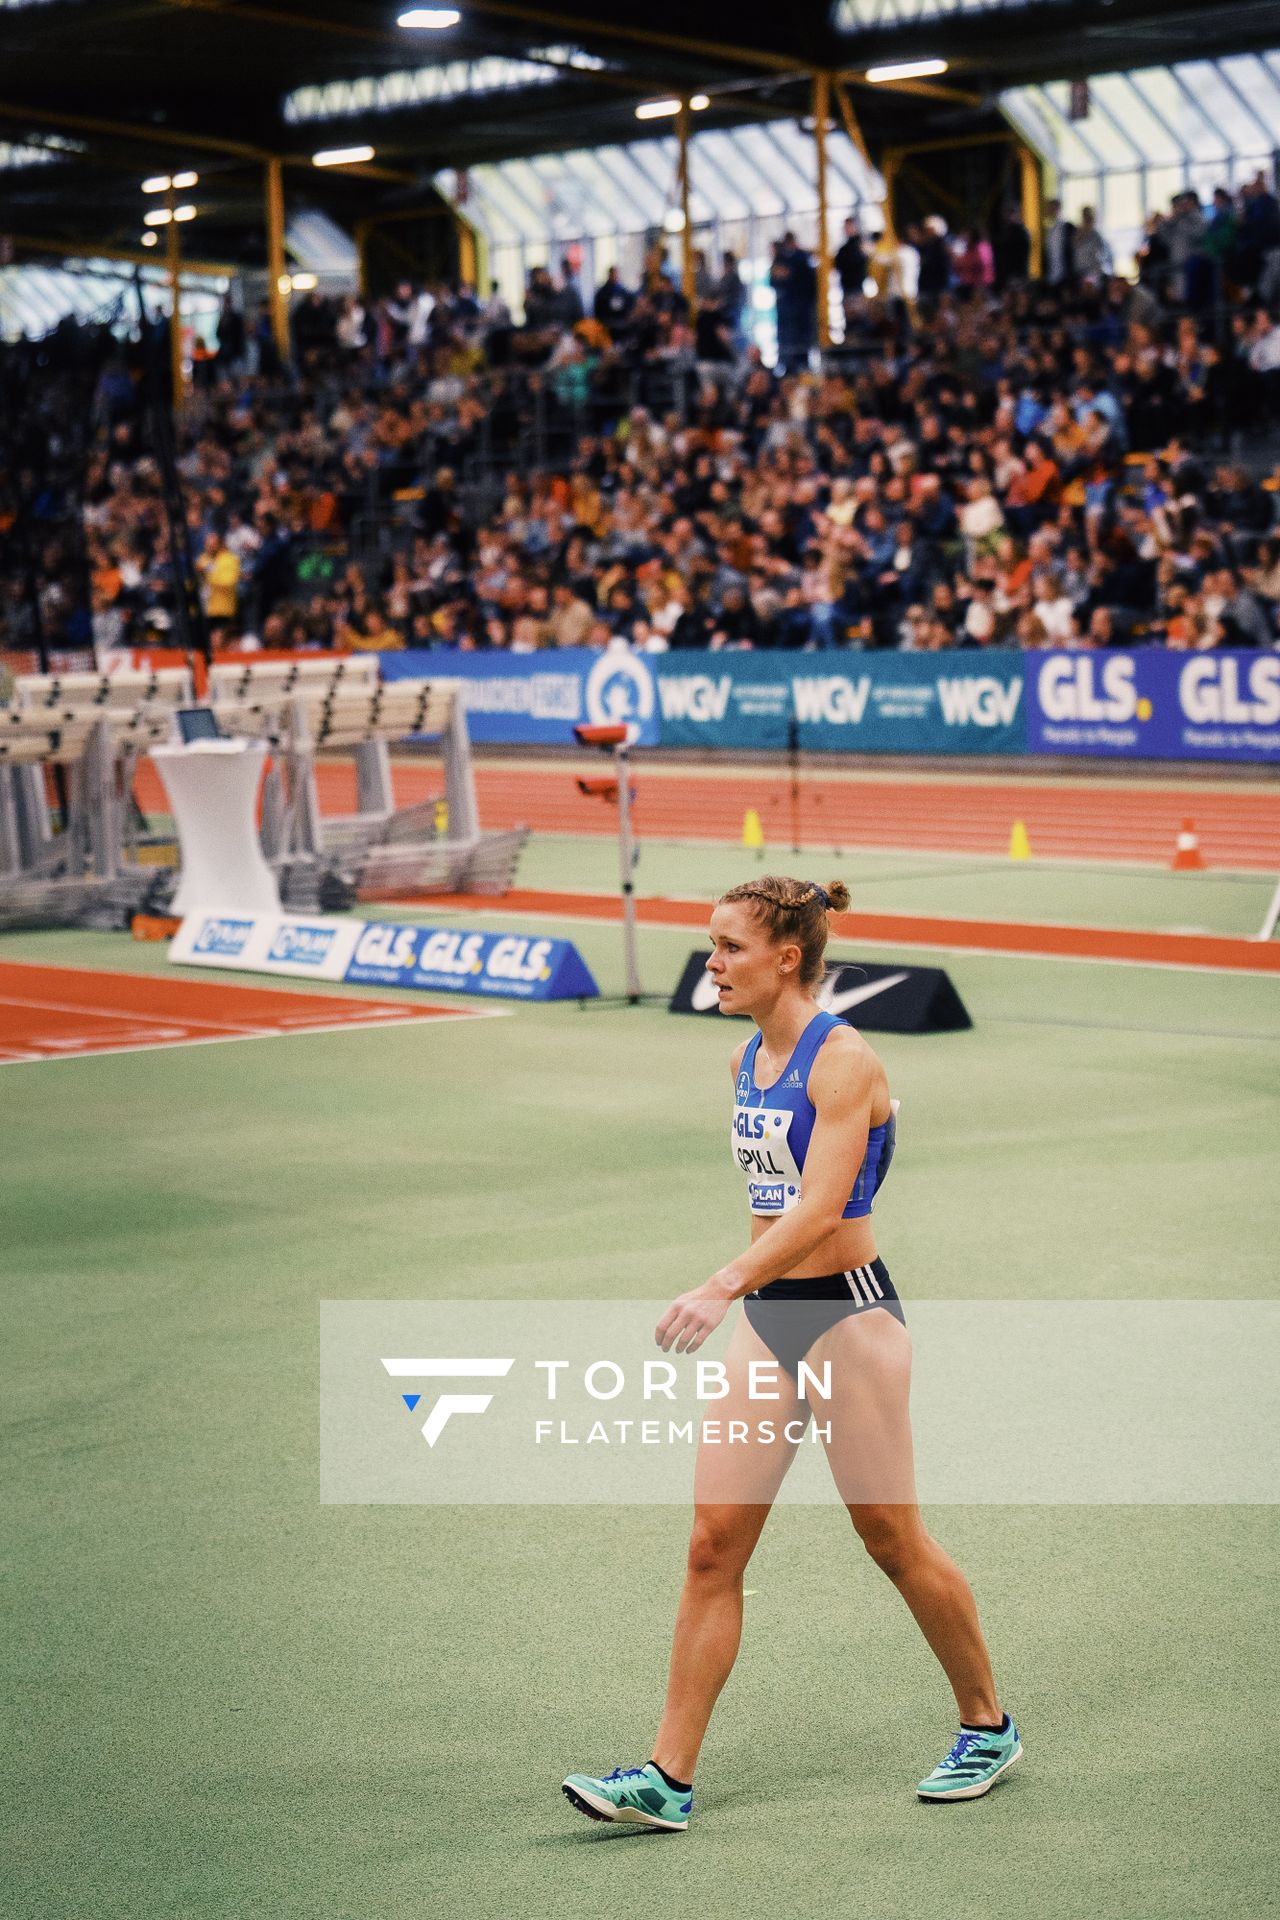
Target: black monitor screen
x,y
198,723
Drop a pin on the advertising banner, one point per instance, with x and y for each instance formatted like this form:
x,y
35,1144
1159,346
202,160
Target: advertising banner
x,y
307,946
1142,703
1149,704
511,965
506,966
536,699
882,999
962,702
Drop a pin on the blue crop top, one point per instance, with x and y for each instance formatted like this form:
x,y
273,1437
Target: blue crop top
x,y
772,1127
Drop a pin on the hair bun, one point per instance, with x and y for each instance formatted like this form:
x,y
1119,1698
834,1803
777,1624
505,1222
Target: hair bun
x,y
836,895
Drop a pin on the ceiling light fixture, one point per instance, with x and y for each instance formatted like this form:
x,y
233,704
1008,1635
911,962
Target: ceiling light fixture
x,y
158,217
657,109
184,213
699,103
429,19
158,183
186,179
906,70
303,282
341,156
151,239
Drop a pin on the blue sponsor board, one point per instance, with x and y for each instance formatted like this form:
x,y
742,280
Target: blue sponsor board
x,y
963,702
1149,704
537,699
508,965
1144,703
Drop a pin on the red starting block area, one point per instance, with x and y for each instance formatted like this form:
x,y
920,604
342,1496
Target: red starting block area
x,y
54,1013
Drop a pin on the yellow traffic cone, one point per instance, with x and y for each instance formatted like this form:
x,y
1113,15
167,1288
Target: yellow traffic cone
x,y
442,819
1019,845
752,831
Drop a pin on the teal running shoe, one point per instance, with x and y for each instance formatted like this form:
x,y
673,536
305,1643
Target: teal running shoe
x,y
636,1795
973,1765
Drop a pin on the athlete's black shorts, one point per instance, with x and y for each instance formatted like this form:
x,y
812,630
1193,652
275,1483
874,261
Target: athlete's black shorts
x,y
789,1315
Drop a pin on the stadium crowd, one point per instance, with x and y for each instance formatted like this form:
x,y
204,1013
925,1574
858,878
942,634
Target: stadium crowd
x,y
987,459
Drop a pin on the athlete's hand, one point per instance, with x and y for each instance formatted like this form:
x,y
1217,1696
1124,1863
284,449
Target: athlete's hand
x,y
690,1320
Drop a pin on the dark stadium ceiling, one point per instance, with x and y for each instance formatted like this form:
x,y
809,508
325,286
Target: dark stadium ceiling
x,y
126,88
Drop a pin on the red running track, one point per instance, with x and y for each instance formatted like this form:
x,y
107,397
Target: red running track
x,y
1079,820
56,1013
1218,953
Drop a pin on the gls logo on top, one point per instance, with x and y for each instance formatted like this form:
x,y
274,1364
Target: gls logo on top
x,y
512,965
1086,686
397,950
1210,692
224,938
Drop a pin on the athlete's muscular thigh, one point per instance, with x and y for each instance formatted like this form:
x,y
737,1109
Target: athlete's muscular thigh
x,y
869,1451
750,1472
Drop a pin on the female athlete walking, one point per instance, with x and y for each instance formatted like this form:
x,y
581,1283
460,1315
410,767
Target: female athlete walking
x,y
813,1132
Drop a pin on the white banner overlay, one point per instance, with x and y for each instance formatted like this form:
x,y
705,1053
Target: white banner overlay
x,y
1013,1402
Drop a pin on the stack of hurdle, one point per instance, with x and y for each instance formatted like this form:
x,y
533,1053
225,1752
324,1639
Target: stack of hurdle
x,y
310,709
69,747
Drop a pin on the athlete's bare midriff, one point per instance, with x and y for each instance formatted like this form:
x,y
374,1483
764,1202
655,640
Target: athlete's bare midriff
x,y
853,1244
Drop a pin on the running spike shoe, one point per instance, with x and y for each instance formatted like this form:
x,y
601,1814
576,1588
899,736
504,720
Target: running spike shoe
x,y
637,1795
973,1765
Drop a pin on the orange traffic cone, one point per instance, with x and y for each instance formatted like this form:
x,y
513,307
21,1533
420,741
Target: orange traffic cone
x,y
1187,857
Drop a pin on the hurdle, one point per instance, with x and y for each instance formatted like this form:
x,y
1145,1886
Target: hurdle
x,y
86,731
308,708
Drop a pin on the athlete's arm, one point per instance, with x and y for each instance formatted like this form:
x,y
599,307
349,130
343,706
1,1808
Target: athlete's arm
x,y
842,1085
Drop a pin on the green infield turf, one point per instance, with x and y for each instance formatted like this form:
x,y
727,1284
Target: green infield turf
x,y
225,1699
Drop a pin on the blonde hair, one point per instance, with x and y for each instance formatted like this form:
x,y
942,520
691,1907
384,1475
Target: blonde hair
x,y
793,910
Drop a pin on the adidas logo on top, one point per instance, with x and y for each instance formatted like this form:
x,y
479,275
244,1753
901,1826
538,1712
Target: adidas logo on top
x,y
792,1079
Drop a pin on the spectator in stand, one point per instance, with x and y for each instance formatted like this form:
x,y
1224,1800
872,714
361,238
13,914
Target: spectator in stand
x,y
1012,250
613,303
231,336
219,569
851,268
935,265
1090,253
973,264
1059,247
794,284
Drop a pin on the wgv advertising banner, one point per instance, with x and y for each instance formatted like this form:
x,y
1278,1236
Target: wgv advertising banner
x,y
1152,705
537,699
964,702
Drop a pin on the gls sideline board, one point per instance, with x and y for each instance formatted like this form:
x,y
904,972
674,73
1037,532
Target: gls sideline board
x,y
510,966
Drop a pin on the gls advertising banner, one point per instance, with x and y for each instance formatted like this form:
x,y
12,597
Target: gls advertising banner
x,y
964,702
1153,705
507,966
537,699
512,966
